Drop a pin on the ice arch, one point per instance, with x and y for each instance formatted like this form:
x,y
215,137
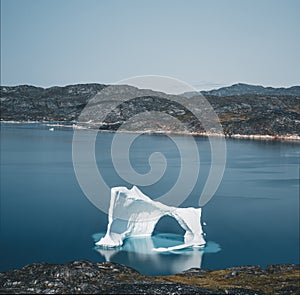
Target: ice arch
x,y
141,214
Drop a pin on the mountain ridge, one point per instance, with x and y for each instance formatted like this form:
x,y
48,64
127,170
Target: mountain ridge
x,y
243,88
245,114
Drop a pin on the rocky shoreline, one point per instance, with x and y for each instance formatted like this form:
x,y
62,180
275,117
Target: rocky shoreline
x,y
85,277
73,125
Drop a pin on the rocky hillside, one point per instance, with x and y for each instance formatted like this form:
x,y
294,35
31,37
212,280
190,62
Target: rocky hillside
x,y
22,103
258,114
247,114
85,277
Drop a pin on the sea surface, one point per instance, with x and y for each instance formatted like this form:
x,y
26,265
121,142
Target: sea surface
x,y
253,218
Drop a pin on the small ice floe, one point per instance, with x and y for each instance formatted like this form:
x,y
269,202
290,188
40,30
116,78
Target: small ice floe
x,y
177,247
51,129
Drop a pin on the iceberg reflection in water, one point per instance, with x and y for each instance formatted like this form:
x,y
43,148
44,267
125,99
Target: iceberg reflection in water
x,y
142,256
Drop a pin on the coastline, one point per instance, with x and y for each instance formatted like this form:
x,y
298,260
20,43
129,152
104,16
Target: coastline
x,y
73,125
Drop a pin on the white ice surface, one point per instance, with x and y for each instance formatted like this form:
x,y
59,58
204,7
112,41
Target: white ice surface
x,y
138,215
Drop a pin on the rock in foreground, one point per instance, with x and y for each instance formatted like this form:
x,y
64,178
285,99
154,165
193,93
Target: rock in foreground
x,y
84,277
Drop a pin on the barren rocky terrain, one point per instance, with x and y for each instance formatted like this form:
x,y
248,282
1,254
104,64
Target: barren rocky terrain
x,y
269,112
84,277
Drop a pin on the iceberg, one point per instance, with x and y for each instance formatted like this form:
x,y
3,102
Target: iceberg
x,y
133,214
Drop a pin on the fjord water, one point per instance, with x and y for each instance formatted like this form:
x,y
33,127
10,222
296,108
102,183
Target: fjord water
x,y
253,219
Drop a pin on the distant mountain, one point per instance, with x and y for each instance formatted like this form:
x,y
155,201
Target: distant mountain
x,y
241,89
239,111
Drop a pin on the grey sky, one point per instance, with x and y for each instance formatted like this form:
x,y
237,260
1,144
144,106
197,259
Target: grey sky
x,y
204,43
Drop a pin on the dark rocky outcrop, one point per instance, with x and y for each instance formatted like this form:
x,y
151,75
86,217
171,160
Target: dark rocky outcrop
x,y
22,103
84,277
258,114
275,113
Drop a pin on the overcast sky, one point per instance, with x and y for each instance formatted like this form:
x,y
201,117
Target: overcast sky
x,y
207,44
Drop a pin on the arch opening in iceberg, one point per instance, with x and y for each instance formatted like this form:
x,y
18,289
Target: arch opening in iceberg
x,y
168,224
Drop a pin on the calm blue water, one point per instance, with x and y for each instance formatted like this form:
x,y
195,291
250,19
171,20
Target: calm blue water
x,y
252,219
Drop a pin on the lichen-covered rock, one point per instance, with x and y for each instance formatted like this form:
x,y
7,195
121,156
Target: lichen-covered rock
x,y
84,277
